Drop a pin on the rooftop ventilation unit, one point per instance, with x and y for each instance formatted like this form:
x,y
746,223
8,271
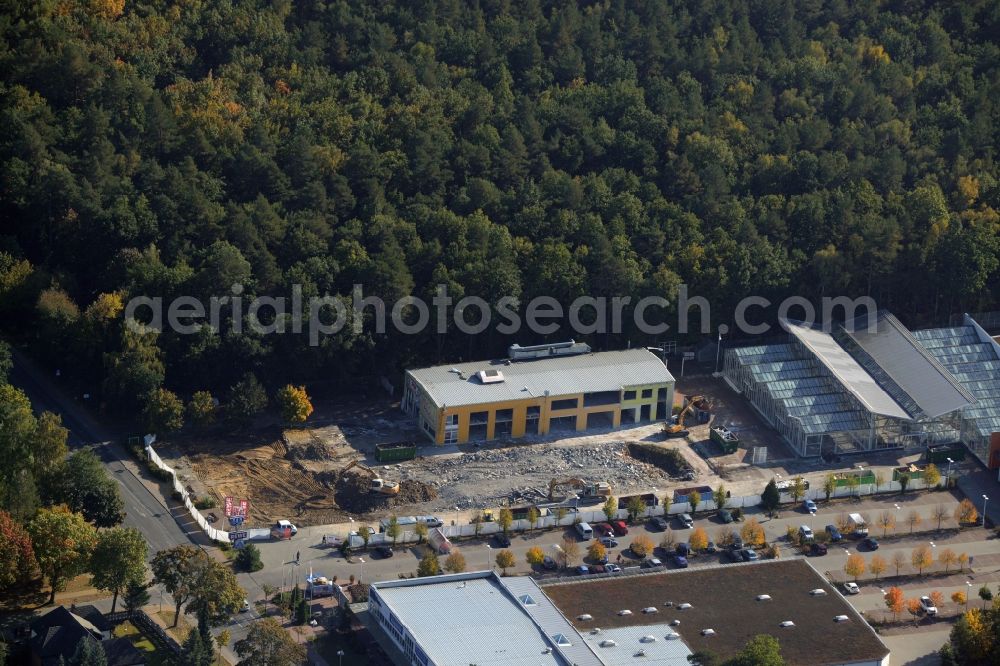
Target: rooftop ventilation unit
x,y
763,597
648,639
683,606
708,632
672,636
787,623
840,618
595,630
547,650
607,642
518,353
491,376
650,609
675,623
640,653
625,612
584,617
818,592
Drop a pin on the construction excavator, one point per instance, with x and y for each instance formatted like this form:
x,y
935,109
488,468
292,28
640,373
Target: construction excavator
x,y
677,429
378,484
597,489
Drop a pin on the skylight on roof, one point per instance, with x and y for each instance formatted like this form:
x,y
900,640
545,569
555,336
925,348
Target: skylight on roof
x,y
527,600
561,640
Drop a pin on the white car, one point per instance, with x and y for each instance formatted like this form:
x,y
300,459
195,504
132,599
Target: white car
x,y
851,588
928,605
430,521
245,607
686,520
806,532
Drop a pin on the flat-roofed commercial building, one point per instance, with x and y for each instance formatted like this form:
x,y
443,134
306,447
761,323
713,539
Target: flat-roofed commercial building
x,y
658,617
538,390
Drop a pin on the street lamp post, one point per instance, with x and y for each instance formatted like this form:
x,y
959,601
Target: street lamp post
x,y
362,574
947,477
489,559
985,500
969,593
340,657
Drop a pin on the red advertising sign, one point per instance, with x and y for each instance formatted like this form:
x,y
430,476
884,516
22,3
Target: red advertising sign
x,y
236,507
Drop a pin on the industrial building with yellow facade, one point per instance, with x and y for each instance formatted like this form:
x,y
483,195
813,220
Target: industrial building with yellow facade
x,y
538,390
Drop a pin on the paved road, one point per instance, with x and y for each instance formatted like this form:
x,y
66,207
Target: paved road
x,y
917,648
145,510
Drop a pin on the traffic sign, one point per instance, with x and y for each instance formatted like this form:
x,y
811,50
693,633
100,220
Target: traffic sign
x,y
237,536
235,521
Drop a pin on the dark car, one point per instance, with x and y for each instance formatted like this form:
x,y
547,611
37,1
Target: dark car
x,y
502,541
683,549
583,570
737,542
749,555
725,516
711,548
597,568
834,533
383,551
658,523
868,544
619,527
680,562
549,563
608,542
817,548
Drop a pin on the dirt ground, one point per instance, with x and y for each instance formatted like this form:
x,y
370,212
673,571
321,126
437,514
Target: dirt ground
x,y
299,473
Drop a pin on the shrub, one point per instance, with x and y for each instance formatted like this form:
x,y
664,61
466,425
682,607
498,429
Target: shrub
x,y
205,502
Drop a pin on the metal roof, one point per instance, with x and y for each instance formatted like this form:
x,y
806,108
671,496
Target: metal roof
x,y
453,385
907,371
471,619
847,370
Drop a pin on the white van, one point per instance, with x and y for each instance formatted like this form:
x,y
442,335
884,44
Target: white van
x,y
585,531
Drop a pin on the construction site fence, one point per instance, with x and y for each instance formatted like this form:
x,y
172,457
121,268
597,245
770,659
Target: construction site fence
x,y
212,533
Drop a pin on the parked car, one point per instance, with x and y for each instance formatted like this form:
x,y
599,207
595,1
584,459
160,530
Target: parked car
x,y
612,568
817,549
834,533
603,529
686,520
737,542
749,555
928,605
680,562
502,540
283,529
658,523
430,521
245,607
868,543
851,588
806,533
726,516
652,562
608,542
619,527
383,551
711,547
809,506
598,568
549,563
603,560
583,570
683,549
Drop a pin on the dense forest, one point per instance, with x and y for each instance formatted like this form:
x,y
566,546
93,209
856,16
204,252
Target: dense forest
x,y
499,147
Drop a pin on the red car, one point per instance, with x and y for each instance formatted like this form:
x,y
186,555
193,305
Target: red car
x,y
603,529
619,527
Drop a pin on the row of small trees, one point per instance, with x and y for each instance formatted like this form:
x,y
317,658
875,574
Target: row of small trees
x,y
920,558
164,411
896,601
